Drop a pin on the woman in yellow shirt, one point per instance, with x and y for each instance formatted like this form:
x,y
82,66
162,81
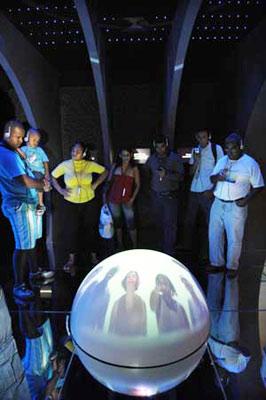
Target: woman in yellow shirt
x,y
80,208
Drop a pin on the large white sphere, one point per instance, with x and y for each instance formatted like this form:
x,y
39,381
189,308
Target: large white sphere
x,y
140,322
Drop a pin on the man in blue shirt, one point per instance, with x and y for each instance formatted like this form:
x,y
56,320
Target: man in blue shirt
x,y
19,200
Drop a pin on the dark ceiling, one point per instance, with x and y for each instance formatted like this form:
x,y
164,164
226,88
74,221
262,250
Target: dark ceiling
x,y
135,34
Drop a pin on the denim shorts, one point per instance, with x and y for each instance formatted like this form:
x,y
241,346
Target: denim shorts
x,y
122,210
26,225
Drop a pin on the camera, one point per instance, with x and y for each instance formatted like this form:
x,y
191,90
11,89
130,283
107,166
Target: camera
x,y
196,150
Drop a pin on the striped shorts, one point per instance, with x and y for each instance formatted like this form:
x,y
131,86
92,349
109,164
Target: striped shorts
x,y
26,225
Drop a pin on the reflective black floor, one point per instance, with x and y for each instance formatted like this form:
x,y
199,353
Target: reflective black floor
x,y
64,377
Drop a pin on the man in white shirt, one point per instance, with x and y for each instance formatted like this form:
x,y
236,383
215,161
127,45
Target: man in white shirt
x,y
238,178
202,162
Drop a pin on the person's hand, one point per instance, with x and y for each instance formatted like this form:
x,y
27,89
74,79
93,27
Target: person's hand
x,y
196,154
46,185
161,172
242,202
208,194
94,186
65,192
130,203
222,175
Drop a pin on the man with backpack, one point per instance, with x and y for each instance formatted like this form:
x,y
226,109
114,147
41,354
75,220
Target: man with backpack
x,y
202,162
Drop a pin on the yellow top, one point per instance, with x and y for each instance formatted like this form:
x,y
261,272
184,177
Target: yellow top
x,y
78,178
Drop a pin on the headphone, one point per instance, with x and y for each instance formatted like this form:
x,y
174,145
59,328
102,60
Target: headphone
x,y
26,138
85,151
8,133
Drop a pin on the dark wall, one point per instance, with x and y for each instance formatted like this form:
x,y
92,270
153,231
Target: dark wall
x,y
79,117
136,112
207,98
251,72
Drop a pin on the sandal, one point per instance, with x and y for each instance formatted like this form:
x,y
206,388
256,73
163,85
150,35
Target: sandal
x,y
70,268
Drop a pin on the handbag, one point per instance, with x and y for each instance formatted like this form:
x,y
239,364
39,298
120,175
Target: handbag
x,y
106,224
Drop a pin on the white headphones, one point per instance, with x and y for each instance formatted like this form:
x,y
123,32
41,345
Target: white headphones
x,y
26,138
8,133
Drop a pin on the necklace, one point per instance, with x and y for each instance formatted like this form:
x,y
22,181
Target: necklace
x,y
78,178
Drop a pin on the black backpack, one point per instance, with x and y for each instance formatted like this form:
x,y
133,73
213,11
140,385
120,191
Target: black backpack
x,y
214,152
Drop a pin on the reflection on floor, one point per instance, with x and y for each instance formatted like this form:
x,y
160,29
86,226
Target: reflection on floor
x,y
68,378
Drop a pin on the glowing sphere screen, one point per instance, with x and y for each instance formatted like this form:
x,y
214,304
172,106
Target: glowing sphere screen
x,y
140,322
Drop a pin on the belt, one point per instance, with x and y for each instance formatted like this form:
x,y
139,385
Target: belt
x,y
170,194
227,201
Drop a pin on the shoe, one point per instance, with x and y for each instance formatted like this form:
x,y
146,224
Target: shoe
x,y
41,274
42,282
22,292
40,209
70,268
66,341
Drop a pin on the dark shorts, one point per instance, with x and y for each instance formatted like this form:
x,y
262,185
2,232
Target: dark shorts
x,y
38,175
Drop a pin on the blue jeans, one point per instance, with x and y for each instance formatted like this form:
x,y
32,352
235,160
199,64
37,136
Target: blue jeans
x,y
222,299
13,385
226,218
165,218
120,210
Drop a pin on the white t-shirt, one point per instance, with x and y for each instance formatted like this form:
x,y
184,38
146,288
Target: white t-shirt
x,y
201,180
242,174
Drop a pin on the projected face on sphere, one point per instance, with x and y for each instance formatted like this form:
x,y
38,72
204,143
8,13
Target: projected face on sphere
x,y
140,322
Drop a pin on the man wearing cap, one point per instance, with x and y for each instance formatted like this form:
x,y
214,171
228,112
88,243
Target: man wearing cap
x,y
166,170
237,178
19,199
